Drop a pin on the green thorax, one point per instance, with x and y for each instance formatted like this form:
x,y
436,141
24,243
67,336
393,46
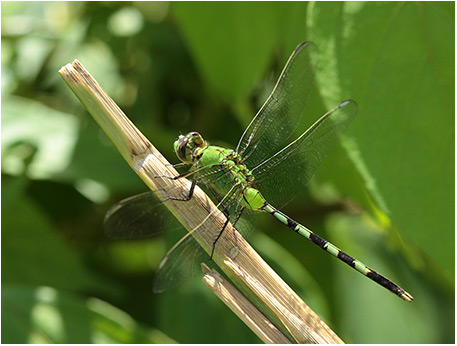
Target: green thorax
x,y
220,167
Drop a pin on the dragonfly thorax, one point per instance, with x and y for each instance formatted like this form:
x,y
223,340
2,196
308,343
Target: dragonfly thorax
x,y
225,166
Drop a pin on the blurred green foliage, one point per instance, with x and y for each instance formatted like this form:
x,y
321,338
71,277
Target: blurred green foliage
x,y
386,196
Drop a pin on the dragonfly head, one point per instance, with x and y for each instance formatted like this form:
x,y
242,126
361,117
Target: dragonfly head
x,y
185,146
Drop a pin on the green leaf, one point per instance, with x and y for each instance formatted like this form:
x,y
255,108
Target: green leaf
x,y
231,61
55,139
46,315
396,60
32,251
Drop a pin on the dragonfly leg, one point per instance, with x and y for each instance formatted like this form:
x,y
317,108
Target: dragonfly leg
x,y
218,236
182,175
225,225
177,165
227,217
189,195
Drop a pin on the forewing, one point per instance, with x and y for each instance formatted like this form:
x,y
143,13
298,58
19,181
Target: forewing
x,y
273,125
138,216
283,175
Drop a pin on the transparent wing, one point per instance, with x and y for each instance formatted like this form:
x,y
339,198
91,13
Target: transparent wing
x,y
138,216
145,215
280,177
181,263
273,125
183,260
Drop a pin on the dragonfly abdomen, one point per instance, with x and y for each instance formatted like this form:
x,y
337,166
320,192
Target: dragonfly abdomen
x,y
335,251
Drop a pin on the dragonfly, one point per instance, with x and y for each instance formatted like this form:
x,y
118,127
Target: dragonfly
x,y
251,178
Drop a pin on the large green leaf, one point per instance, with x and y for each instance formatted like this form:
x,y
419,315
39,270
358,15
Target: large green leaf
x,y
397,61
232,43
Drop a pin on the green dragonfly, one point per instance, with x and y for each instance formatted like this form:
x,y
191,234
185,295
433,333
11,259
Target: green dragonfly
x,y
249,178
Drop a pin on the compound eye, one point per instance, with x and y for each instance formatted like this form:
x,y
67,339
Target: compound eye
x,y
195,139
182,149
